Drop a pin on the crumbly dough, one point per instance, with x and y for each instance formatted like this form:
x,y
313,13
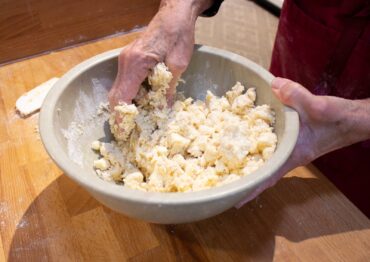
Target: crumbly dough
x,y
192,146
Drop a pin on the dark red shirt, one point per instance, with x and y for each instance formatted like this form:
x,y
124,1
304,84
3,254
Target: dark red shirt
x,y
325,46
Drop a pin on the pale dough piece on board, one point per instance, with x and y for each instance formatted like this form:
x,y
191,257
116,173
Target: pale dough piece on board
x,y
32,101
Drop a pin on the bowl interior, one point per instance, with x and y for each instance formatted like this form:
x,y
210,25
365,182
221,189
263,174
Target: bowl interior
x,y
72,108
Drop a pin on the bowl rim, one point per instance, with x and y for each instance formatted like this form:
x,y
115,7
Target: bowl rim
x,y
72,170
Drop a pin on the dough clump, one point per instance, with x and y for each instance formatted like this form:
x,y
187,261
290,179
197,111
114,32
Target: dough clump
x,y
191,146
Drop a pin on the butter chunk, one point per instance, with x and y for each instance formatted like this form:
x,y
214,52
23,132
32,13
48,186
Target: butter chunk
x,y
95,145
101,164
134,180
177,143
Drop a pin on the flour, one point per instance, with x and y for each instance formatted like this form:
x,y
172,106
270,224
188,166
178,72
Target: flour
x,y
85,118
22,223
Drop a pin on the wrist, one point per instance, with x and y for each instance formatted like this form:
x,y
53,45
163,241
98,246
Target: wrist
x,y
195,7
357,121
353,123
334,123
202,5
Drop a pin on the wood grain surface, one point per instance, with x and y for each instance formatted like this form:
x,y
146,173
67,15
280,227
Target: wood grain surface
x,y
29,27
44,216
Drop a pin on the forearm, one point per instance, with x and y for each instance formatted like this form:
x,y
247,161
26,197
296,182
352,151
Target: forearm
x,y
175,14
349,123
174,19
357,121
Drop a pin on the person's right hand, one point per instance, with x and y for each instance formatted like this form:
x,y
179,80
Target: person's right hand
x,y
327,123
169,38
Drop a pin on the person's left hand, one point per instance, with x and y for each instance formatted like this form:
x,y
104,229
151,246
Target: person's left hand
x,y
169,38
323,127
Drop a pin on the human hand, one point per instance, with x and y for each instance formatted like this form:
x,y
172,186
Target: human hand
x,y
168,38
327,123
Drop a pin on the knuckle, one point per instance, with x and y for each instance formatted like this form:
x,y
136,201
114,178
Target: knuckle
x,y
138,58
178,65
137,53
319,107
123,54
290,91
131,53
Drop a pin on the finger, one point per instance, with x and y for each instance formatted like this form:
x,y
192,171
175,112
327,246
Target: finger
x,y
291,93
177,61
176,69
309,106
171,92
133,67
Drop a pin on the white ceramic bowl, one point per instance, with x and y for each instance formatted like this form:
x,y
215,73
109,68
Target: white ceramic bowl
x,y
68,125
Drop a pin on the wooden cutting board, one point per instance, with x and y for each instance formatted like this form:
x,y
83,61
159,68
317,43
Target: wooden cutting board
x,y
44,216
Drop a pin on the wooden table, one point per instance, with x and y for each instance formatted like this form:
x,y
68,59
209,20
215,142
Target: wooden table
x,y
45,216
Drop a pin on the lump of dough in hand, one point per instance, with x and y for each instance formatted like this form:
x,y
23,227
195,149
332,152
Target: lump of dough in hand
x,y
126,115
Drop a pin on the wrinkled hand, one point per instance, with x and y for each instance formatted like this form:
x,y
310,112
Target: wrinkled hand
x,y
168,38
322,127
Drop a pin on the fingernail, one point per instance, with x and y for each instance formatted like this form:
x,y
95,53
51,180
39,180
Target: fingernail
x,y
278,82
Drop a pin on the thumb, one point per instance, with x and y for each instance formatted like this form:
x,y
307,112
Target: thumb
x,y
291,93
